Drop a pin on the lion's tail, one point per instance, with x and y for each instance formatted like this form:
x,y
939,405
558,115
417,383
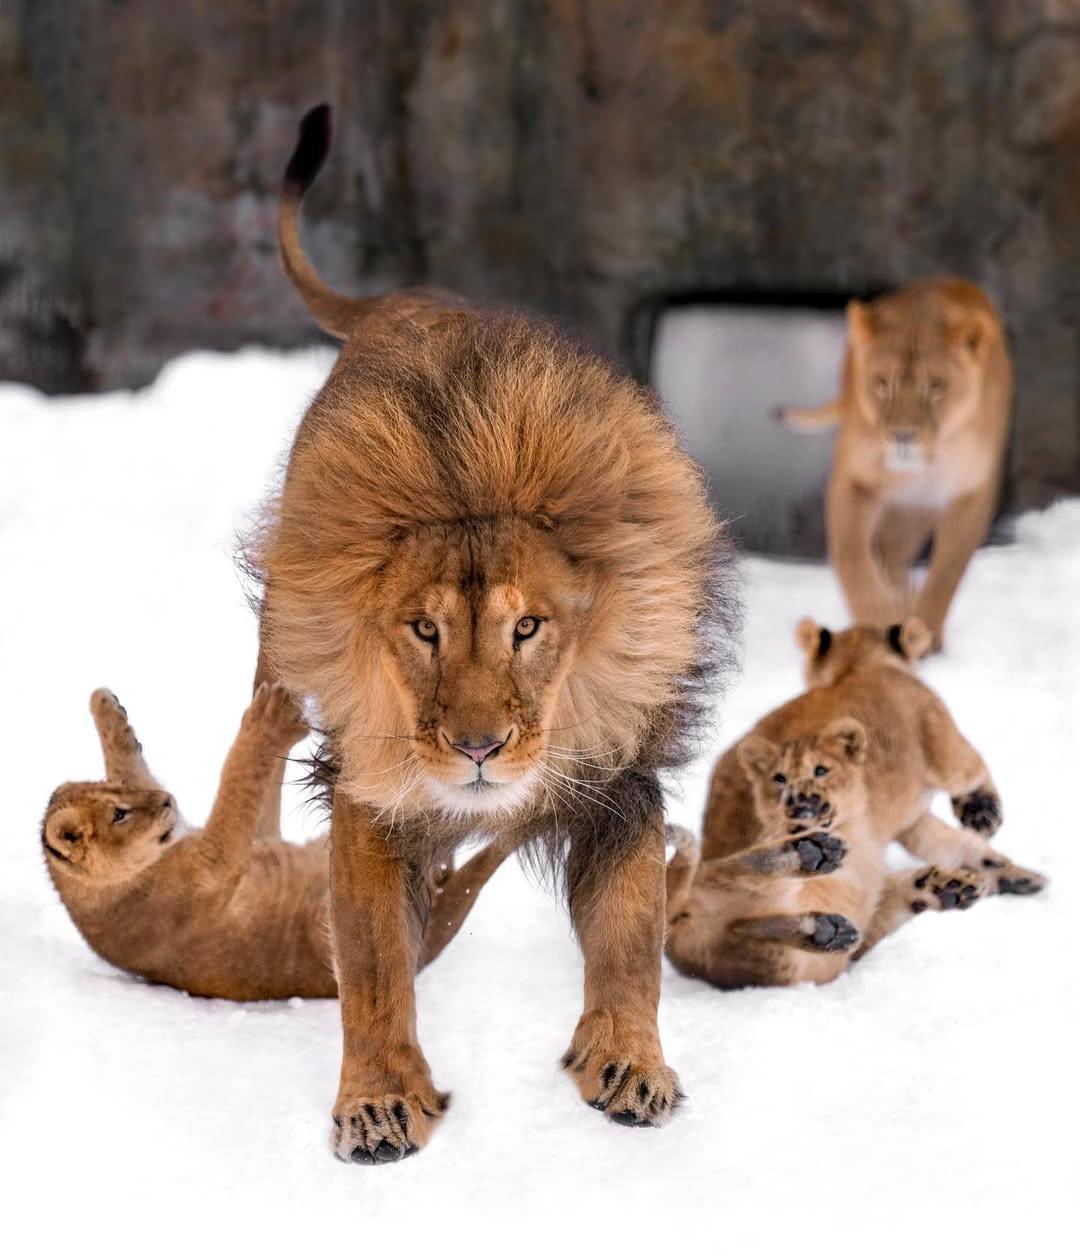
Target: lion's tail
x,y
681,869
334,312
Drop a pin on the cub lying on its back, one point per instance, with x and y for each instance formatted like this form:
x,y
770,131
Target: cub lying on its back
x,y
222,912
792,882
923,416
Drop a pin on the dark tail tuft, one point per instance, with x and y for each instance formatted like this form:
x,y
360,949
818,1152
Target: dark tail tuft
x,y
312,146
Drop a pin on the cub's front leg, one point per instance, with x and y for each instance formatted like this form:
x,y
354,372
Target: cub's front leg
x,y
616,879
387,1106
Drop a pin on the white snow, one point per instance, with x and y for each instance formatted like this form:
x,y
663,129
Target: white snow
x,y
924,1102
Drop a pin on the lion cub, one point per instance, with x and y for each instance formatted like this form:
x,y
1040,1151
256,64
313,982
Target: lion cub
x,y
923,416
221,912
791,883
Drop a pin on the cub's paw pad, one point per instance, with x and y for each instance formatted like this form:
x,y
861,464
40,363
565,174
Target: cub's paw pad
x,y
634,1095
385,1130
819,854
1016,882
978,811
952,890
832,933
273,710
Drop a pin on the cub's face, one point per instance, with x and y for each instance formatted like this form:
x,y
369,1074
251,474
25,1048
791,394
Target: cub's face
x,y
814,783
105,833
913,384
478,630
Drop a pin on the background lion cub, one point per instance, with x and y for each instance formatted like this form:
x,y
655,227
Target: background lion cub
x,y
225,911
792,882
923,415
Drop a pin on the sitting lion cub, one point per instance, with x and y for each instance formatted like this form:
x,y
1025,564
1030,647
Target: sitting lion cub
x,y
792,884
923,416
219,912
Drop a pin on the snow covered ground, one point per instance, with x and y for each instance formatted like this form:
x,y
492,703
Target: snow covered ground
x,y
926,1101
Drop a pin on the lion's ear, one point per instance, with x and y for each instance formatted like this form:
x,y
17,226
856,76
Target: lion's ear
x,y
910,638
860,323
848,736
813,638
756,755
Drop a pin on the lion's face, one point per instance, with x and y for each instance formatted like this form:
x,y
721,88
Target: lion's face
x,y
814,783
478,629
913,383
105,833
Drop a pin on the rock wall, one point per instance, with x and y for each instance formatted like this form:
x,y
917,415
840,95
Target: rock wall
x,y
589,159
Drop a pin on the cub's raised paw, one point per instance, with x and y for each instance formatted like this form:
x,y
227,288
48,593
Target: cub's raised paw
x,y
111,719
937,889
385,1130
978,811
273,713
831,933
819,854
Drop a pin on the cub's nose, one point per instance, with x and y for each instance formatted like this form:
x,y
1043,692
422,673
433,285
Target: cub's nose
x,y
904,437
477,748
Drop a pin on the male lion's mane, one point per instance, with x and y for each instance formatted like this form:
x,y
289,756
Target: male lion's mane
x,y
483,415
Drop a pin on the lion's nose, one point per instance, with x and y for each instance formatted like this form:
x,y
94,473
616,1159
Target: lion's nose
x,y
478,748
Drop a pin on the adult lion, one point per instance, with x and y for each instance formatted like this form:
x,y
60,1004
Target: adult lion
x,y
496,573
923,420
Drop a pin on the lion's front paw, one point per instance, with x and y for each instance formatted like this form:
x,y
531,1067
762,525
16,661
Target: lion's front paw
x,y
978,811
631,1087
385,1129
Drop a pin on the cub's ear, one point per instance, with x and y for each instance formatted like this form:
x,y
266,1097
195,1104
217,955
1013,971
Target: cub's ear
x,y
756,755
910,638
813,638
974,333
860,323
65,827
848,736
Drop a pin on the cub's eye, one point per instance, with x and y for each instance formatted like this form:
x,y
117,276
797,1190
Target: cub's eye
x,y
526,628
880,384
820,772
937,386
120,814
779,778
426,630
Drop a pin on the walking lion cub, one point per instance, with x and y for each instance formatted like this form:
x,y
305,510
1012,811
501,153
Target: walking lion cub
x,y
227,911
923,418
791,883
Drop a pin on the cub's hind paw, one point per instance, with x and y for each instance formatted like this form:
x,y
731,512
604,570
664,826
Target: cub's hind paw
x,y
819,854
978,811
1015,881
936,889
831,933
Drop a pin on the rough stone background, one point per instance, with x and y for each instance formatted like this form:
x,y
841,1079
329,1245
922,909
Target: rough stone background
x,y
589,159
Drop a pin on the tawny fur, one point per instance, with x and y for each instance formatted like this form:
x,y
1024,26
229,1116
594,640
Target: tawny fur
x,y
487,539
923,420
791,883
226,911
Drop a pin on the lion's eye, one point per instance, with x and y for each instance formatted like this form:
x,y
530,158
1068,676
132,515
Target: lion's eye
x,y
779,778
426,630
820,772
937,386
120,814
526,628
880,384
